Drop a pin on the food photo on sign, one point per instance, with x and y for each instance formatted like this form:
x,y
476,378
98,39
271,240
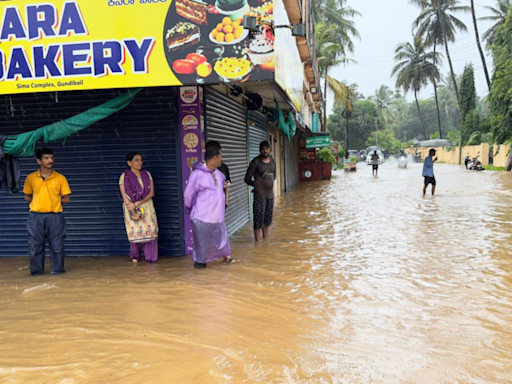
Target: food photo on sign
x,y
205,42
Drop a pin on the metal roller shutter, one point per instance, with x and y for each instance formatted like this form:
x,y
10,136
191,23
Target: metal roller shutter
x,y
226,123
292,163
257,131
92,161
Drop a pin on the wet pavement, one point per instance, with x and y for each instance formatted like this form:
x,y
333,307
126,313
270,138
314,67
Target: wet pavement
x,y
363,280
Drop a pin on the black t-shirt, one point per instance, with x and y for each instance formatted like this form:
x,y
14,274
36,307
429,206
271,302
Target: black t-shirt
x,y
264,175
225,170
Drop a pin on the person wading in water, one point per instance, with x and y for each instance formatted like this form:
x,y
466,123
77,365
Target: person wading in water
x,y
261,175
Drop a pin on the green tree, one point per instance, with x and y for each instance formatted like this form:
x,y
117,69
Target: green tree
x,y
500,97
499,16
468,114
365,119
339,15
384,138
329,55
410,126
383,99
398,108
437,25
415,69
449,108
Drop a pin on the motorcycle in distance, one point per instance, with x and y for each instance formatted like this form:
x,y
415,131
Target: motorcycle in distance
x,y
402,160
473,164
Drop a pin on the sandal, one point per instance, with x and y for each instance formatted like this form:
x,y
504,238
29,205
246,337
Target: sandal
x,y
232,261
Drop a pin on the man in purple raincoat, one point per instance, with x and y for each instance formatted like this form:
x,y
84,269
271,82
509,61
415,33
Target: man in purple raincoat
x,y
205,201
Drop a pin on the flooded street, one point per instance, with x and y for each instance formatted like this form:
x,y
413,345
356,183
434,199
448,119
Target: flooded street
x,y
363,280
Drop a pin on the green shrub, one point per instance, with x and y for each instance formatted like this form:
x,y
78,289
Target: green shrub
x,y
325,155
493,168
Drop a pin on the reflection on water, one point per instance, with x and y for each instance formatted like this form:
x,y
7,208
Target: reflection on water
x,y
363,280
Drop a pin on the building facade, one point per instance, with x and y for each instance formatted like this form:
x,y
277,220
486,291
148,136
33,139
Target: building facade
x,y
59,60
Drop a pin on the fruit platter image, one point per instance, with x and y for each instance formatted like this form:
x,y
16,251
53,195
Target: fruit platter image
x,y
232,69
205,43
228,32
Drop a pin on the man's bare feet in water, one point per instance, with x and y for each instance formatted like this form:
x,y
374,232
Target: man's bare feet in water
x,y
230,260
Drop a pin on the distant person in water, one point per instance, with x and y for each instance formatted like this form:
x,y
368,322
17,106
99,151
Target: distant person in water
x,y
205,201
428,171
375,163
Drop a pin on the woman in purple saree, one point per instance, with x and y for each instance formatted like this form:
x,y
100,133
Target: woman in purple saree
x,y
205,201
137,190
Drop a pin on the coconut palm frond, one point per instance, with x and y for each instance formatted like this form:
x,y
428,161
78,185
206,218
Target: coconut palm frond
x,y
343,94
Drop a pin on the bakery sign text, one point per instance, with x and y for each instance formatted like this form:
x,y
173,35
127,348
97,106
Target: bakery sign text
x,y
63,60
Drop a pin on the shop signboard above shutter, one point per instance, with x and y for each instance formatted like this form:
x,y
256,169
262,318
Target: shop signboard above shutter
x,y
62,45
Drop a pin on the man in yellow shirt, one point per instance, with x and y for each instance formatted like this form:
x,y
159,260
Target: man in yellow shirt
x,y
46,190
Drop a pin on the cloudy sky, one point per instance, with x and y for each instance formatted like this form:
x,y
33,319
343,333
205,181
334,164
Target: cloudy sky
x,y
384,24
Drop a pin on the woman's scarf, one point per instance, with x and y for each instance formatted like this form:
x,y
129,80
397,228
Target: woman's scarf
x,y
132,186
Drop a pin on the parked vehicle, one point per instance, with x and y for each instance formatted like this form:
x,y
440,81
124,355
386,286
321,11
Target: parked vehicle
x,y
473,164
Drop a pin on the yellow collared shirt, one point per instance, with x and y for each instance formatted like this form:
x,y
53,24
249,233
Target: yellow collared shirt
x,y
46,193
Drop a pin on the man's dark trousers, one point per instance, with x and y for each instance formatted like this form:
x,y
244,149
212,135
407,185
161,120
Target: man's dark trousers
x,y
41,227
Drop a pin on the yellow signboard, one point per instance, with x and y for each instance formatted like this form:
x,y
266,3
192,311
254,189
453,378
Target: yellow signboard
x,y
90,44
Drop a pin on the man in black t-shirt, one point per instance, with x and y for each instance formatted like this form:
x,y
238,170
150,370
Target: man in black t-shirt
x,y
225,170
261,175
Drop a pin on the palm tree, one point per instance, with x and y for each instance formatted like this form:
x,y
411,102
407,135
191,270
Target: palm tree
x,y
398,108
383,99
415,69
436,25
449,106
329,55
337,13
482,57
499,17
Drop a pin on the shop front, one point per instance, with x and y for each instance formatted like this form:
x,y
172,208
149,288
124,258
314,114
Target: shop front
x,y
59,60
93,161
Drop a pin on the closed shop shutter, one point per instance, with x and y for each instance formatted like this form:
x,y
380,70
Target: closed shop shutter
x,y
292,162
92,161
226,123
257,131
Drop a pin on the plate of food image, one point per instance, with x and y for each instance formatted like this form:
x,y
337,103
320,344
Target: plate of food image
x,y
228,32
232,69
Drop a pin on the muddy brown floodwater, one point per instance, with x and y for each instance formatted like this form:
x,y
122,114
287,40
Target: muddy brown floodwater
x,y
362,281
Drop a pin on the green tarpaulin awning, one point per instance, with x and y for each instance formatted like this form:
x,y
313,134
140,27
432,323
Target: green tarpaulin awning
x,y
23,145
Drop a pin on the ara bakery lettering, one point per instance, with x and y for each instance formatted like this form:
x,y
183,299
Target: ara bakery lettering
x,y
94,59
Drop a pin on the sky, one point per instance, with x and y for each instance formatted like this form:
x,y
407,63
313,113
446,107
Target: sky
x,y
386,23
